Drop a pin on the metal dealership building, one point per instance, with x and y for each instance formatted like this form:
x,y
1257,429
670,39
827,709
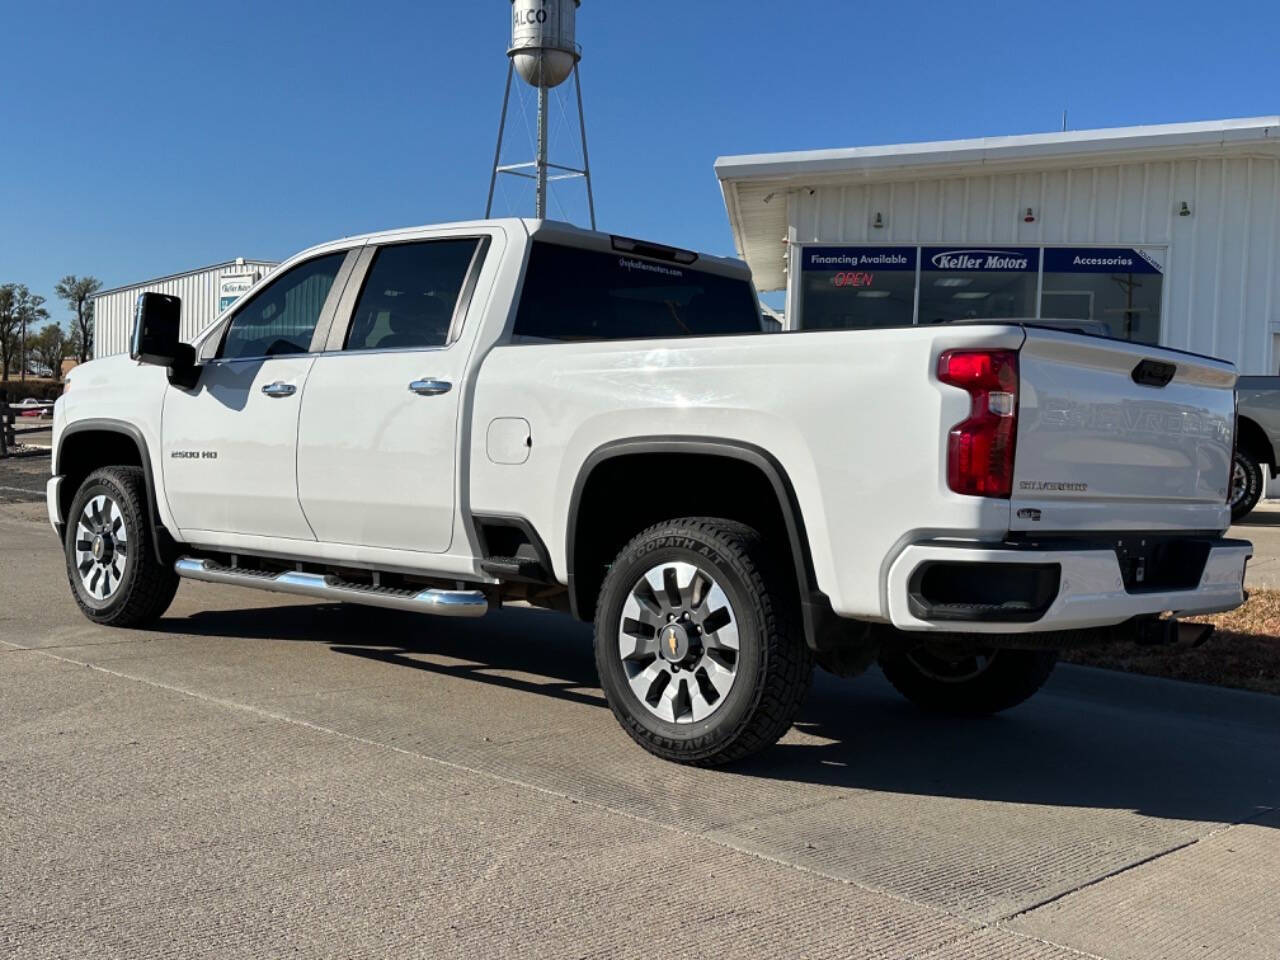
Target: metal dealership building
x,y
205,293
1166,234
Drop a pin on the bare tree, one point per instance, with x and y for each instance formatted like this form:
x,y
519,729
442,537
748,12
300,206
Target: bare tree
x,y
78,293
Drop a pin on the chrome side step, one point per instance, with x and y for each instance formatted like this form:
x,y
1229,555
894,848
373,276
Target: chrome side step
x,y
442,603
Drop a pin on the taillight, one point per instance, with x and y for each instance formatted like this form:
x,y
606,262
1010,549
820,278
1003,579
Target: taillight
x,y
980,449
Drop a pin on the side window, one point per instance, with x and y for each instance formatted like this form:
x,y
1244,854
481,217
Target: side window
x,y
410,295
283,316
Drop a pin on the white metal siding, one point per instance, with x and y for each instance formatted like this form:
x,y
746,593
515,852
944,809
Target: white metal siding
x,y
113,312
1221,291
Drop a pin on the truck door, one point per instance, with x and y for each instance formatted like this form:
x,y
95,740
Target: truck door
x,y
230,444
377,464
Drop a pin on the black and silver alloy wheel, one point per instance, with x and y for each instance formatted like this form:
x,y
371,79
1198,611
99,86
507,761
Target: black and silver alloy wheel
x,y
115,574
678,641
699,641
102,547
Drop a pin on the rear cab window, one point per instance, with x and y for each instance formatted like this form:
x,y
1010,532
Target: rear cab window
x,y
574,294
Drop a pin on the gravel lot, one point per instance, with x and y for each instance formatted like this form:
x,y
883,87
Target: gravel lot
x,y
257,777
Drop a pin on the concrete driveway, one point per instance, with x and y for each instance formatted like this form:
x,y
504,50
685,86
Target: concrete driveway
x,y
257,777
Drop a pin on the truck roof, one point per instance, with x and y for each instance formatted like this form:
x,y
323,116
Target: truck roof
x,y
555,230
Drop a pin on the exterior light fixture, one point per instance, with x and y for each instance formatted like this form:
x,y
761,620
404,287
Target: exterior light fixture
x,y
878,221
1029,216
1184,210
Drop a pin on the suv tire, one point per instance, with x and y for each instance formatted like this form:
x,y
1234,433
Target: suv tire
x,y
968,682
1246,484
111,560
699,642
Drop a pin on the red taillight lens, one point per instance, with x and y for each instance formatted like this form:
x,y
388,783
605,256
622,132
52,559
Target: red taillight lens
x,y
980,449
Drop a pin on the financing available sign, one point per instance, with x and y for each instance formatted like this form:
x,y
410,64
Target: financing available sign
x,y
859,258
232,286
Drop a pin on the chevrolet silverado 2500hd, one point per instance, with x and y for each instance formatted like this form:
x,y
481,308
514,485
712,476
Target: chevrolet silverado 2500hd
x,y
447,418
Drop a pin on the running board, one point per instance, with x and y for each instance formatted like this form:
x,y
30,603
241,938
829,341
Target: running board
x,y
442,603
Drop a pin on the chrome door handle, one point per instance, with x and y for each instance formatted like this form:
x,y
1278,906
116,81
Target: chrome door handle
x,y
279,389
430,388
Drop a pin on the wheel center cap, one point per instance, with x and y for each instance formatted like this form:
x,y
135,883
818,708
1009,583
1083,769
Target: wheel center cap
x,y
673,640
101,548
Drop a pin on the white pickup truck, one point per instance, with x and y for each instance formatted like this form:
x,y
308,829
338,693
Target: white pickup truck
x,y
448,418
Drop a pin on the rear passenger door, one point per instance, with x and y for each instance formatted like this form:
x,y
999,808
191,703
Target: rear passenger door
x,y
378,430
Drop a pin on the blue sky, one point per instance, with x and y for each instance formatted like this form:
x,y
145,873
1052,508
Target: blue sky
x,y
138,139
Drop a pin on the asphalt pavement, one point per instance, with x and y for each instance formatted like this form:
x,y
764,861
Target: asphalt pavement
x,y
257,777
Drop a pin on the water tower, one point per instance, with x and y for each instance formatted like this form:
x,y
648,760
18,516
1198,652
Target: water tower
x,y
545,54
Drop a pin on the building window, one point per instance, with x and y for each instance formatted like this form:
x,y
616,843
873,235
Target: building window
x,y
972,283
1115,286
858,287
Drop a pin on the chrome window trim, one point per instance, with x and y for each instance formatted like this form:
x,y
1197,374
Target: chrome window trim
x,y
346,308
468,291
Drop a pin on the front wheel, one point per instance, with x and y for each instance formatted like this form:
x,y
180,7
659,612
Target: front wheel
x,y
953,678
111,562
699,642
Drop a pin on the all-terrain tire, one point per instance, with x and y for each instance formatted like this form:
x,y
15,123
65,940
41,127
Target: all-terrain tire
x,y
774,665
1008,678
138,587
1246,485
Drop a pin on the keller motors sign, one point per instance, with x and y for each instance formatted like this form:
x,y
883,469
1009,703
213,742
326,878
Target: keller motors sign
x,y
232,286
981,259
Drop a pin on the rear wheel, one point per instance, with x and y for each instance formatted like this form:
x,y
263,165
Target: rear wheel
x,y
111,562
699,642
953,678
1246,484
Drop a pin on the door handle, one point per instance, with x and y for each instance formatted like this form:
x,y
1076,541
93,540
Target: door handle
x,y
279,389
430,388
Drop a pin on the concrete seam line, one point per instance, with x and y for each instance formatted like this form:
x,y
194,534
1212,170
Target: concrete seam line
x,y
1160,854
510,781
34,493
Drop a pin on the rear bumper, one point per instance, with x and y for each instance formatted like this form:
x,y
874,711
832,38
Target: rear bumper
x,y
1068,587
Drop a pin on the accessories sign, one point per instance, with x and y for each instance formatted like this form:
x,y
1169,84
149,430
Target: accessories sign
x,y
1099,260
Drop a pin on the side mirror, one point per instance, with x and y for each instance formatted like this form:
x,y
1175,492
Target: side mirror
x,y
157,324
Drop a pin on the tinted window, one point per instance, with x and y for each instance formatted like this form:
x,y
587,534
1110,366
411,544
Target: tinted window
x,y
573,294
409,296
282,318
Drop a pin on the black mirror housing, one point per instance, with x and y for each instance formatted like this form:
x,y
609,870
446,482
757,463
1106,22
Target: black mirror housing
x,y
157,323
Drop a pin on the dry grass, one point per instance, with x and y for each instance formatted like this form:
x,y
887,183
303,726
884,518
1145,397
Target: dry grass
x,y
1244,652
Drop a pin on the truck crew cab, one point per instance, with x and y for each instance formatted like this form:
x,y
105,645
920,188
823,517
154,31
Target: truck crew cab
x,y
446,418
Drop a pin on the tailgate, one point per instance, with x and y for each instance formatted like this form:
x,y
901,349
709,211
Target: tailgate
x,y
1120,436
